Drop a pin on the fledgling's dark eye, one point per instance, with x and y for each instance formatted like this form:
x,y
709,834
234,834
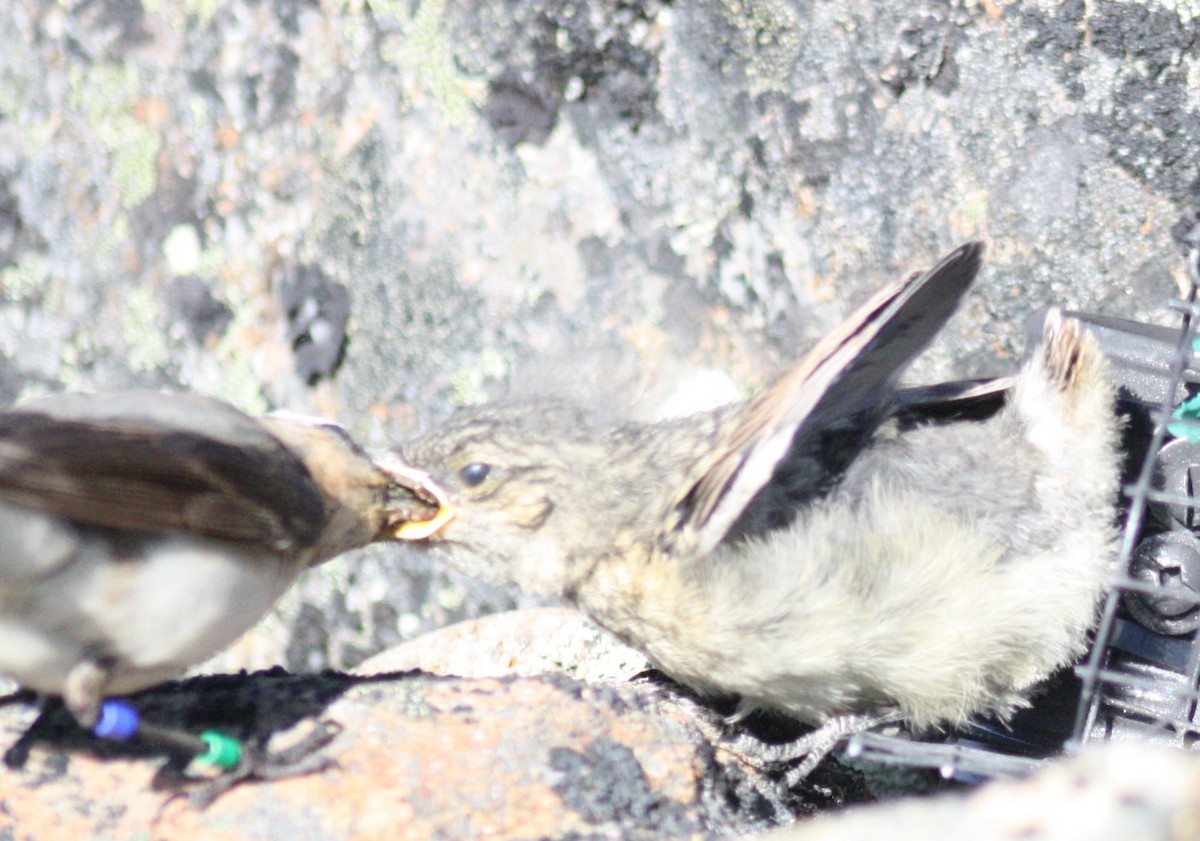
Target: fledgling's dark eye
x,y
474,473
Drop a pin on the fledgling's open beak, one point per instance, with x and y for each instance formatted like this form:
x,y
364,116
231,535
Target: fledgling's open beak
x,y
426,515
421,529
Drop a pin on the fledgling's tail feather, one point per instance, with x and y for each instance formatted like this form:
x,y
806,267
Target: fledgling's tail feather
x,y
1065,403
1076,368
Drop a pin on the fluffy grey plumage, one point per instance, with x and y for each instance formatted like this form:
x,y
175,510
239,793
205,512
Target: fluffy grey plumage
x,y
952,568
804,550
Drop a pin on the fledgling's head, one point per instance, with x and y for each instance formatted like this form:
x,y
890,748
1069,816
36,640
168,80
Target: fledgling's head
x,y
542,491
525,482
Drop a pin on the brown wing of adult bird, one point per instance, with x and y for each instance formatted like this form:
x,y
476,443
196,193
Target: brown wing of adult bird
x,y
145,532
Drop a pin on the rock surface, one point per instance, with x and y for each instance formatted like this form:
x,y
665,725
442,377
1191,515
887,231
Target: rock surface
x,y
379,211
518,642
419,757
424,757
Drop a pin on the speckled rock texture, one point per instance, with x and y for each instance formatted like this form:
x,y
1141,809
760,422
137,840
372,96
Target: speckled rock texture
x,y
420,757
427,757
379,211
517,642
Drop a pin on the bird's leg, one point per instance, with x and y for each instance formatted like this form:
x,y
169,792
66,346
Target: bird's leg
x,y
18,753
116,720
713,727
256,763
712,724
18,696
82,696
759,751
832,733
83,692
812,747
724,733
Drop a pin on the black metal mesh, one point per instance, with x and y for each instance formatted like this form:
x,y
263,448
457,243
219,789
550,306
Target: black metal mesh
x,y
1140,678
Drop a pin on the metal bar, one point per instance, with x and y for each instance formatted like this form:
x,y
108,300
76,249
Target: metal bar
x,y
1090,696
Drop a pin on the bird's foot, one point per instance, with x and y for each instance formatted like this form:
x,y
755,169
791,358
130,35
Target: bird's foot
x,y
81,697
235,762
255,762
18,696
18,753
757,749
706,714
809,749
768,743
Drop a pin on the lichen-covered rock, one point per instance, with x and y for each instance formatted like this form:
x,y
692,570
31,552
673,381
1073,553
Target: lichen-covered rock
x,y
419,757
517,642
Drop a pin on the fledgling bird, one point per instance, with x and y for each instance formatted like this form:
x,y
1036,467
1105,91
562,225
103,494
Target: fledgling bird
x,y
817,549
143,532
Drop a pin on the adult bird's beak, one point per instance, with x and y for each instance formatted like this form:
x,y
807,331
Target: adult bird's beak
x,y
424,511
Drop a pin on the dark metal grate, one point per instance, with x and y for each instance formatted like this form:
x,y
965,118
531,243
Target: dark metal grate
x,y
1140,678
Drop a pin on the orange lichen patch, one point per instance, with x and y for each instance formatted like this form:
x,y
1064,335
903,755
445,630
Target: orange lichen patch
x,y
228,136
93,798
154,111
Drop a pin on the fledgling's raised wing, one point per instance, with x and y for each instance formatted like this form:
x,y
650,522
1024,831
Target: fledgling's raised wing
x,y
817,417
